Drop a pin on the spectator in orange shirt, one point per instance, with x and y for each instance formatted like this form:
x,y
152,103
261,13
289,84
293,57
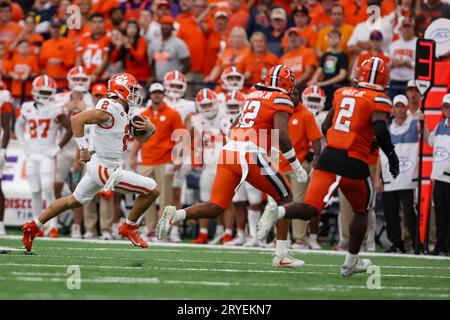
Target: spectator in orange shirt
x,y
234,55
29,33
133,8
337,17
17,12
305,135
238,15
300,59
9,30
216,40
191,32
259,61
76,34
320,12
302,22
131,49
93,51
24,65
156,153
57,55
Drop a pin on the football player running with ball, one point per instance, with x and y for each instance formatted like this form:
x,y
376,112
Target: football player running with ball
x,y
244,158
359,115
111,117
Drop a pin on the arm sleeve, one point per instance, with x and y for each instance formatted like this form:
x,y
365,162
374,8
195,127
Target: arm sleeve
x,y
383,136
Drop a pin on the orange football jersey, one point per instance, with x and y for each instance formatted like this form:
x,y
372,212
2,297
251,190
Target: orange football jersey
x,y
256,120
93,52
351,128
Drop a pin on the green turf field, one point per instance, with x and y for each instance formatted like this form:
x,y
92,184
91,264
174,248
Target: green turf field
x,y
120,271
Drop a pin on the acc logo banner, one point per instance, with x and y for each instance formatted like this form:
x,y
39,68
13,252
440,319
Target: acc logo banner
x,y
439,31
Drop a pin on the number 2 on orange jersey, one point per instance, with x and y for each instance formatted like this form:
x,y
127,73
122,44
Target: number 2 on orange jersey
x,y
343,120
249,114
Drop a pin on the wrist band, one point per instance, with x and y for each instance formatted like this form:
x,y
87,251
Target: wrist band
x,y
290,155
295,164
81,143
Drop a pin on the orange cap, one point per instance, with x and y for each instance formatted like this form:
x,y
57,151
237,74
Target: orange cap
x,y
99,88
167,20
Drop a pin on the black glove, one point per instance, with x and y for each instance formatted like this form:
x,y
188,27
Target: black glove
x,y
394,165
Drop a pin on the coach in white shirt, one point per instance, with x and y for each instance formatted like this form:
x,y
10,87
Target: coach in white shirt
x,y
404,130
440,140
402,54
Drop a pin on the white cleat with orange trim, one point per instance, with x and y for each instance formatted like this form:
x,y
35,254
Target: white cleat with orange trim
x,y
165,223
286,262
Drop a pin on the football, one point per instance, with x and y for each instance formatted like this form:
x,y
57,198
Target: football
x,y
134,131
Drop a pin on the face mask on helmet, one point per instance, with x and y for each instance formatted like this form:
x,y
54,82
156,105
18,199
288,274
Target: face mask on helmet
x,y
208,110
175,90
233,82
233,108
43,95
314,104
136,96
79,83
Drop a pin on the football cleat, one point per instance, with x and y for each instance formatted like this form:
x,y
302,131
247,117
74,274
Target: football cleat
x,y
299,245
89,235
314,245
75,232
217,238
268,219
174,237
130,232
286,262
227,238
360,265
254,242
165,223
202,238
234,242
29,232
106,235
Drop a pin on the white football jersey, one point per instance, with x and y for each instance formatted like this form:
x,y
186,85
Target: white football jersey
x,y
61,99
212,137
41,124
183,106
111,137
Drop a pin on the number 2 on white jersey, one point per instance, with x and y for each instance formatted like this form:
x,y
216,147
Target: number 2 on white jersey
x,y
249,114
343,120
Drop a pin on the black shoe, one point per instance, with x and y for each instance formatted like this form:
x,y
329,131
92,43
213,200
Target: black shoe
x,y
393,249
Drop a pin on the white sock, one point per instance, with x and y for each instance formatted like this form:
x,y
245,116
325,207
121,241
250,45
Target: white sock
x,y
131,223
253,218
350,259
281,248
313,237
241,234
38,223
204,230
281,212
228,231
219,229
36,203
179,215
174,230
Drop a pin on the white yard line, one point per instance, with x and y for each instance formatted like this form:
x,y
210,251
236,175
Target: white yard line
x,y
301,271
223,249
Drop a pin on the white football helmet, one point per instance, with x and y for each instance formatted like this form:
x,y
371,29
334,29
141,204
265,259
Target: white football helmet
x,y
175,84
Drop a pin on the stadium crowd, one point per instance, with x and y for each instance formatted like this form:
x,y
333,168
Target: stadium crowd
x,y
226,46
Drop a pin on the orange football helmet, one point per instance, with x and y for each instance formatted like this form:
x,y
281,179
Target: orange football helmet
x,y
373,73
175,83
126,87
206,101
234,101
78,79
313,98
232,79
280,77
43,89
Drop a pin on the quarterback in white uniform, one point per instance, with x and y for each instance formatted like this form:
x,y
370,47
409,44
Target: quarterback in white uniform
x,y
5,109
113,127
37,128
72,102
175,84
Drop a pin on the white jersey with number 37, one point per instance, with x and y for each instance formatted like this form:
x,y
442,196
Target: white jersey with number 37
x,y
111,137
42,126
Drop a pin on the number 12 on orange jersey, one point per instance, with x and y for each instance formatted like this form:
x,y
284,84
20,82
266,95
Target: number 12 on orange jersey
x,y
249,113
